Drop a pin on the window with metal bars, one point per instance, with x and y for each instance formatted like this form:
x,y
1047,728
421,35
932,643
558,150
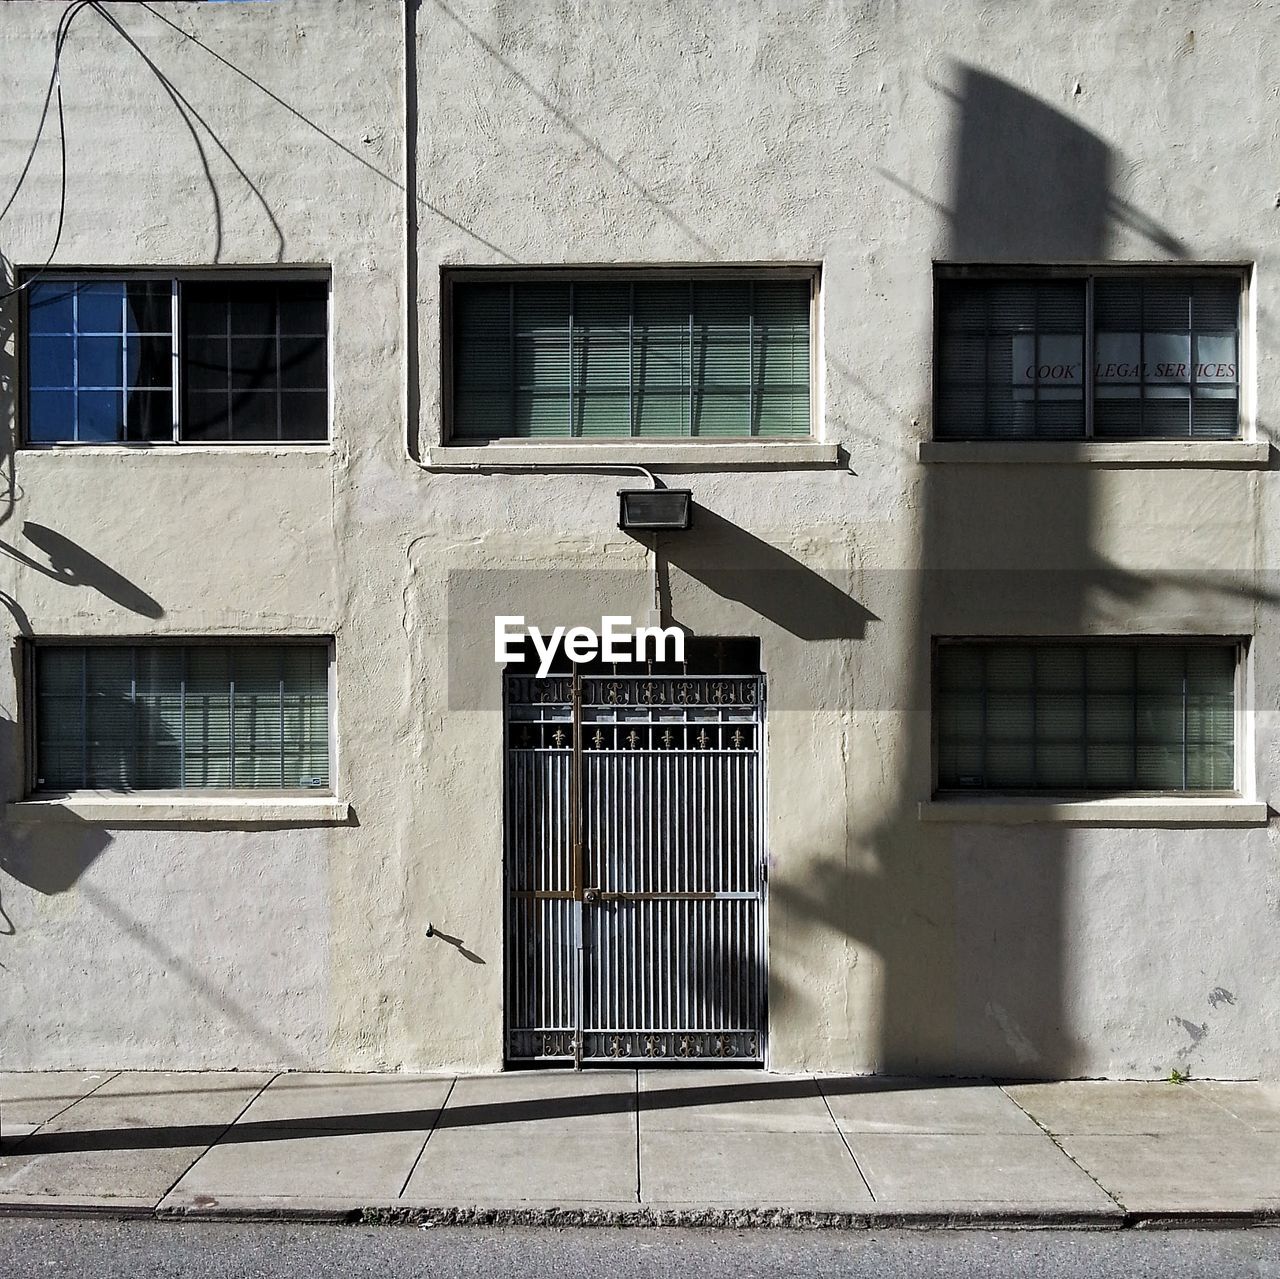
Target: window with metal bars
x,y
1106,355
154,359
181,716
603,358
1084,716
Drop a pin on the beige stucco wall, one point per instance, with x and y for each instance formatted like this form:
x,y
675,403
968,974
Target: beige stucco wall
x,y
872,139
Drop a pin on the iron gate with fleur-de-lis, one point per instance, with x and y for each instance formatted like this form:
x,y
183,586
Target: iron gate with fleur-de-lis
x,y
635,868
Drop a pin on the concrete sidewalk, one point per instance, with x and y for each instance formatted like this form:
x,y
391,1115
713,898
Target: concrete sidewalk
x,y
721,1147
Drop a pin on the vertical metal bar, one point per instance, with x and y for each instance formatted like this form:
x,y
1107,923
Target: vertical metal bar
x,y
760,815
575,821
510,957
631,359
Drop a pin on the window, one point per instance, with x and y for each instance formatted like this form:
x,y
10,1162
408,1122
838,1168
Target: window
x,y
1163,356
164,360
631,356
1086,716
181,716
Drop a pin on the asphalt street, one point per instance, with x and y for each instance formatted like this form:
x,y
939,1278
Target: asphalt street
x,y
106,1249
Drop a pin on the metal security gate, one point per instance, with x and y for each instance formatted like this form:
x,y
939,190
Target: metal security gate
x,y
635,868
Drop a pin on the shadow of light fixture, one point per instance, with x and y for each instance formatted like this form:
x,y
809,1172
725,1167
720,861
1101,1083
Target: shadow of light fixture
x,y
655,510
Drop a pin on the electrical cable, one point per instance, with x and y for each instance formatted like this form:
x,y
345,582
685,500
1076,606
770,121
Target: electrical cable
x,y
54,91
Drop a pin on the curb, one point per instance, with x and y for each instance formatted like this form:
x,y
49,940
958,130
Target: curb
x,y
1011,1218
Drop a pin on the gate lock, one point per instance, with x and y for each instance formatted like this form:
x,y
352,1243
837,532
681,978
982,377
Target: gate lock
x,y
590,895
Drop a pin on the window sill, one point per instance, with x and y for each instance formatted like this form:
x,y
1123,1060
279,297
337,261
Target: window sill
x,y
712,454
174,808
1158,810
1250,454
125,448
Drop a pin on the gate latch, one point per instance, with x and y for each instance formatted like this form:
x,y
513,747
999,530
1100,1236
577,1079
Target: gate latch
x,y
590,895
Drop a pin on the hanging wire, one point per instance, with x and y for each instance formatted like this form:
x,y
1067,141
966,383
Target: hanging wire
x,y
52,93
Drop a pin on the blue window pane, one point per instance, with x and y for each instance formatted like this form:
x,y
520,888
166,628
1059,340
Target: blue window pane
x,y
50,308
52,416
100,415
52,362
101,307
100,361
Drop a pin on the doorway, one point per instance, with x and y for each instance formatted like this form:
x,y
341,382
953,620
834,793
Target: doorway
x,y
635,862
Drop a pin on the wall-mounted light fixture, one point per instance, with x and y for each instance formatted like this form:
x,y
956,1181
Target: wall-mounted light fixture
x,y
655,510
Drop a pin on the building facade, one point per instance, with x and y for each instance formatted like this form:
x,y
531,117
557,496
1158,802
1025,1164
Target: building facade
x,y
957,323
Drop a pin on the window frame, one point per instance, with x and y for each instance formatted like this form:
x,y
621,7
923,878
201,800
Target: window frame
x,y
1088,273
587,274
29,700
176,277
1240,739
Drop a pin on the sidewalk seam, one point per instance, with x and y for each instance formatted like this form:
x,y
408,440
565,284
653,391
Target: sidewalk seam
x,y
1213,1101
226,1129
11,1147
435,1123
817,1083
1066,1154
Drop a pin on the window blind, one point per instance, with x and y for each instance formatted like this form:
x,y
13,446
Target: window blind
x,y
1016,358
1011,358
613,358
161,717
1167,358
1064,717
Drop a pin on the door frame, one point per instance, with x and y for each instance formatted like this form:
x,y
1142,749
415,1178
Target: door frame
x,y
578,889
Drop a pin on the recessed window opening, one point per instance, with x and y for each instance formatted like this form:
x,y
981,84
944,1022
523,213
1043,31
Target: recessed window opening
x,y
1113,355
632,356
160,716
1107,717
173,360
